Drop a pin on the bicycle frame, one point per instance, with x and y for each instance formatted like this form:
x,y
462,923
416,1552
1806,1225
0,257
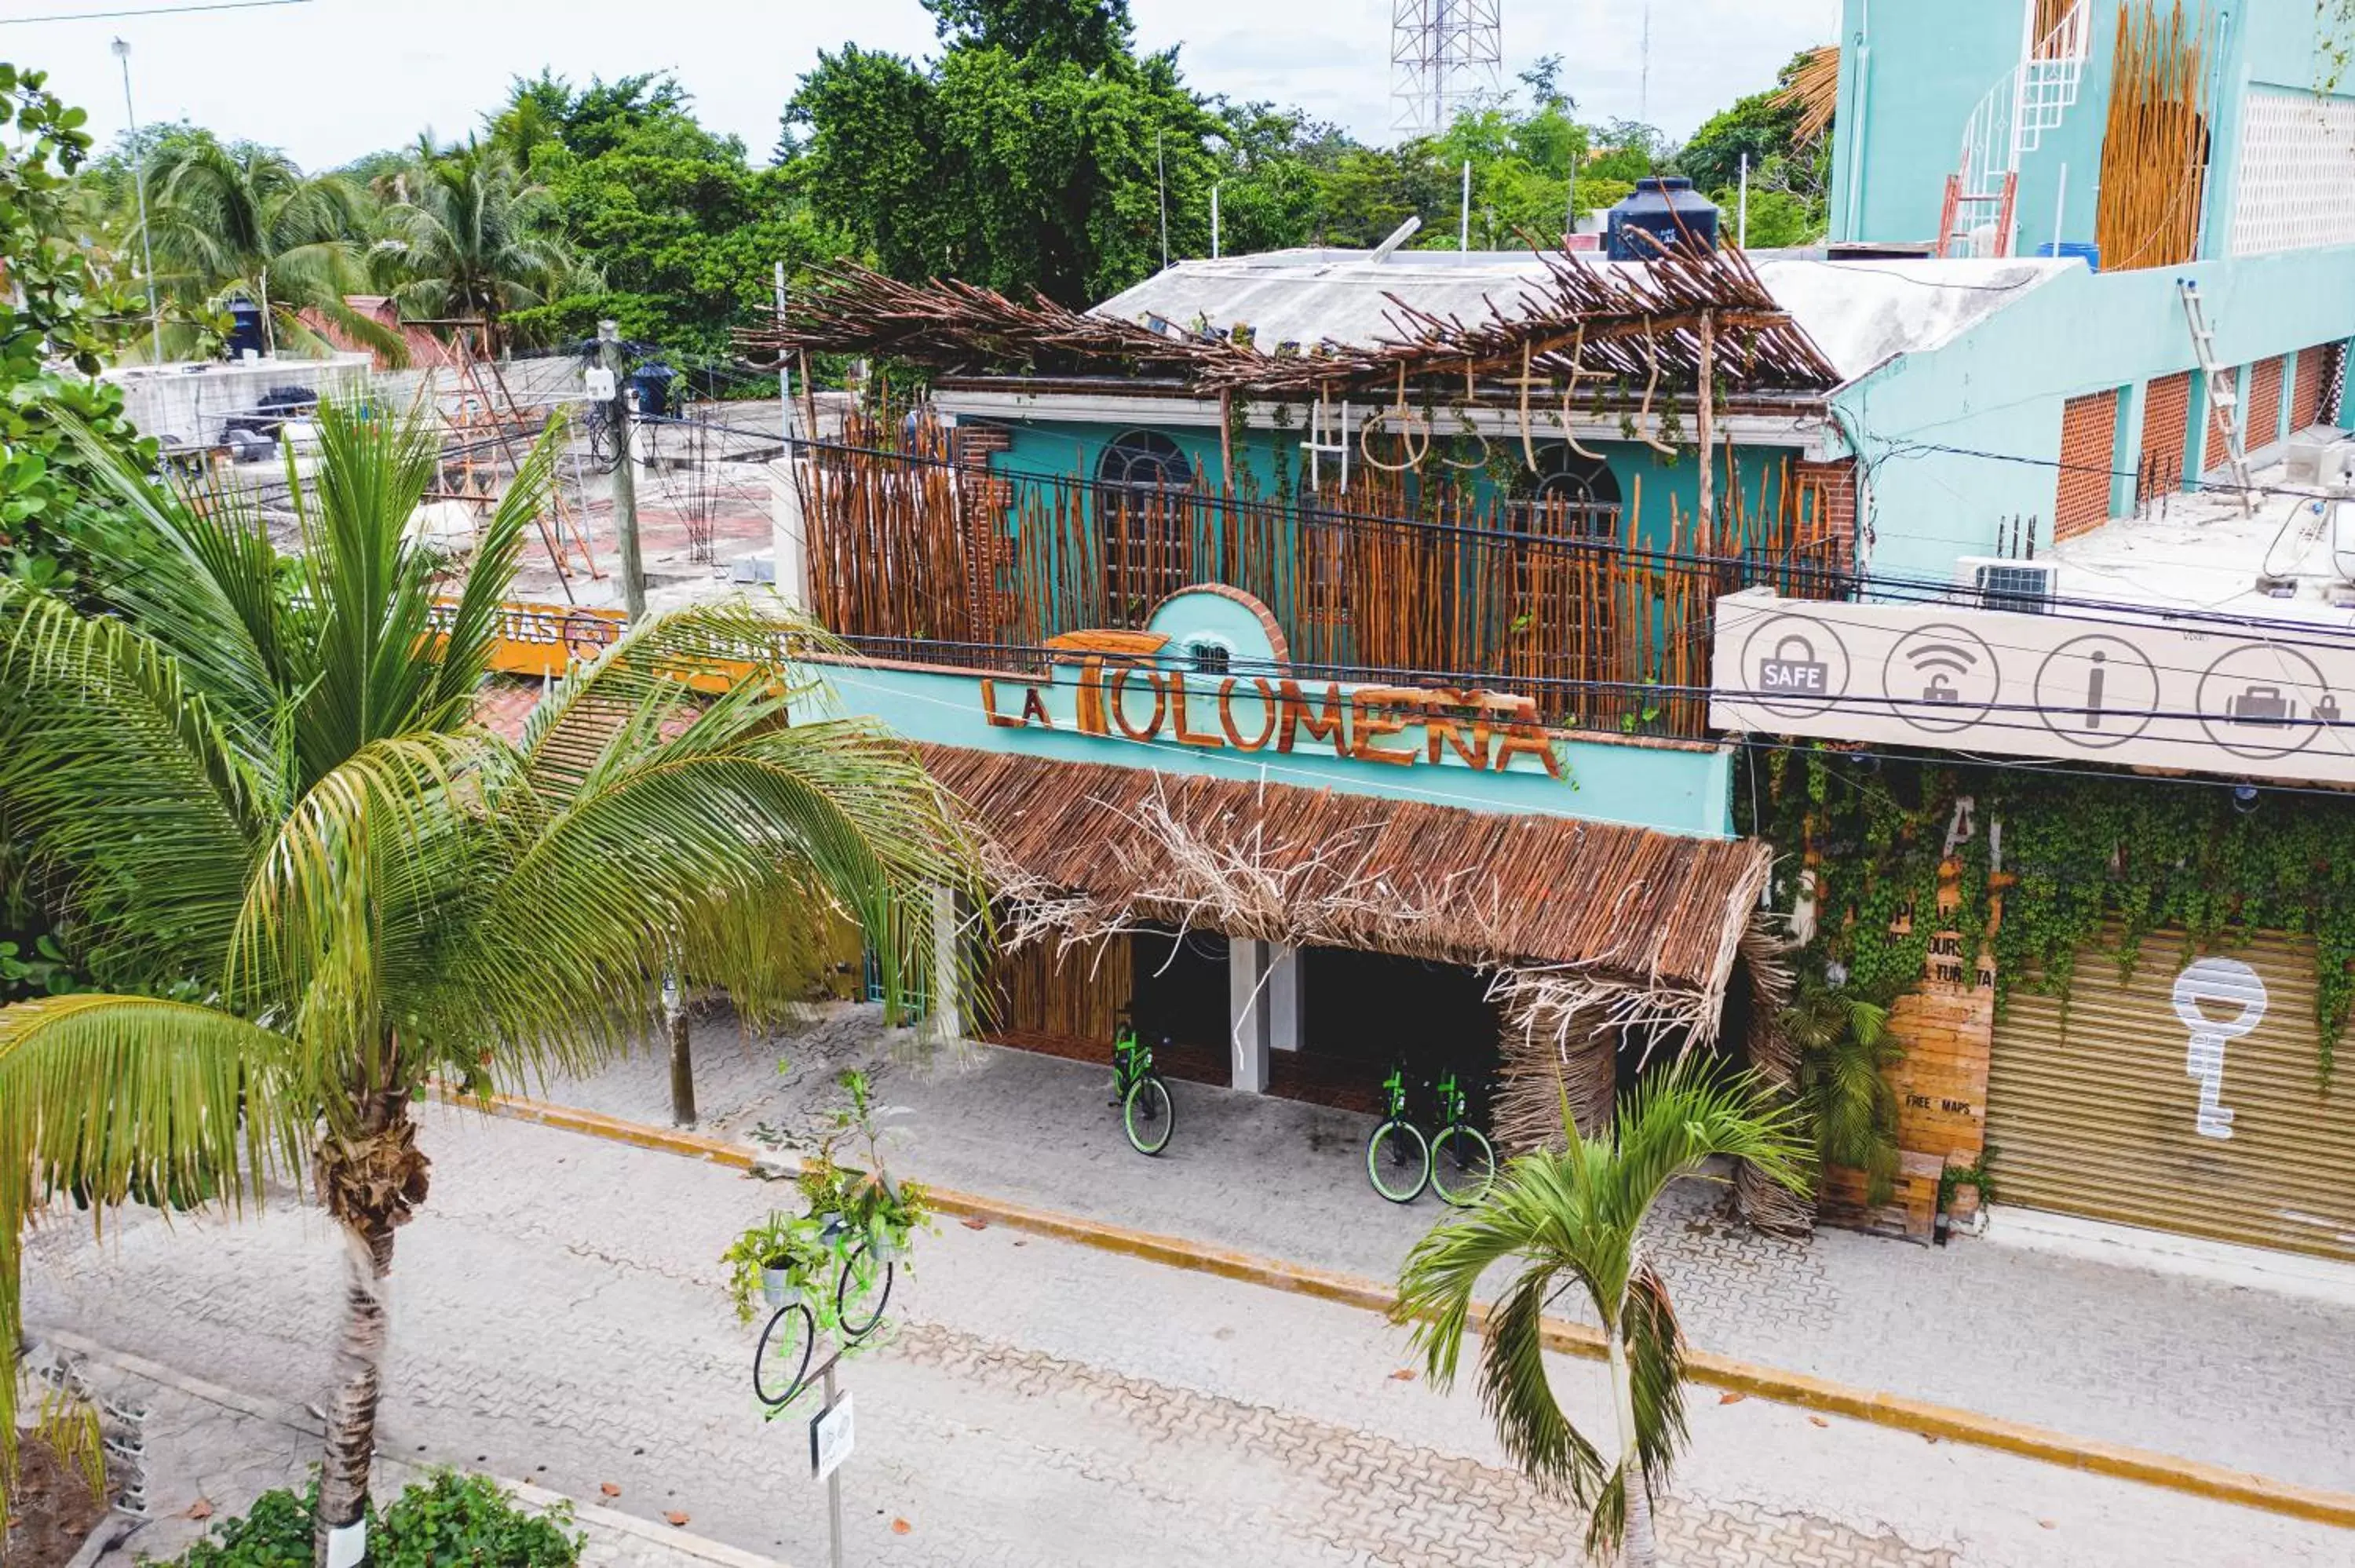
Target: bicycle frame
x,y
1394,1086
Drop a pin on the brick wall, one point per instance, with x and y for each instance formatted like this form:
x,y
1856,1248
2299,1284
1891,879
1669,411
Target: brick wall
x,y
1832,510
2219,448
2089,428
2166,422
973,446
2264,426
2316,366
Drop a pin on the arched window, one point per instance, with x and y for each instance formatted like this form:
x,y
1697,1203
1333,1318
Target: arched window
x,y
1144,460
1569,496
1144,483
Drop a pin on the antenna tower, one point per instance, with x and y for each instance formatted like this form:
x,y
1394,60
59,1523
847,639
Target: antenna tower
x,y
1446,56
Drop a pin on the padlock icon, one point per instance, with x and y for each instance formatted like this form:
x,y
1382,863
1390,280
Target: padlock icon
x,y
1793,669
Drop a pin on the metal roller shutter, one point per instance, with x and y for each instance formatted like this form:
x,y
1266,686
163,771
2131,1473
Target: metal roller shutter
x,y
2102,1115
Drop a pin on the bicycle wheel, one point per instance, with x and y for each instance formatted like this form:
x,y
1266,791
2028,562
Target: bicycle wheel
x,y
1463,1163
860,1296
781,1364
1148,1115
1397,1160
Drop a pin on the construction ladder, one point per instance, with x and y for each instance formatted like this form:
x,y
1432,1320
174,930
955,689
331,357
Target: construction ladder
x,y
2223,399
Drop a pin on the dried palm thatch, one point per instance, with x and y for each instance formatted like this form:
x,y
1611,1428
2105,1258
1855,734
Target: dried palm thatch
x,y
1812,87
1585,322
1766,959
1590,932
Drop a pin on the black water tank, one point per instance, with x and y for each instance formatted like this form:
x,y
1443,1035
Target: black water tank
x,y
652,381
245,329
1662,213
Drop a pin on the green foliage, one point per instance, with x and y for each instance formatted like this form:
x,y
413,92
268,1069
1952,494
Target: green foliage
x,y
1571,1218
43,970
797,1244
1033,153
448,1520
62,314
284,807
2100,863
1787,202
1845,1048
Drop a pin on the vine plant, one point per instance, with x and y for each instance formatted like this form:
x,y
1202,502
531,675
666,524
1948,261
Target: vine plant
x,y
2089,863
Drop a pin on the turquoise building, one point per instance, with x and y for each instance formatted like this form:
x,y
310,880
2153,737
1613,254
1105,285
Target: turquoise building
x,y
1324,640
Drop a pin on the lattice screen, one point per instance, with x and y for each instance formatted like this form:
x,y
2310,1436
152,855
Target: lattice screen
x,y
2297,172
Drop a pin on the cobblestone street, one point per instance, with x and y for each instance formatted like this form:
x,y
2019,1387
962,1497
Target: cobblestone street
x,y
2246,1378
1038,1403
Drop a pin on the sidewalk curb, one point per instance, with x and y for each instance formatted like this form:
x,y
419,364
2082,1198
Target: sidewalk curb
x,y
1879,1407
586,1511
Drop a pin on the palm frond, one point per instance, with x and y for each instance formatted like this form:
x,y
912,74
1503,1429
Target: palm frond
x,y
1687,1112
370,670
472,632
1518,1398
1655,1365
1812,87
128,794
107,1095
201,580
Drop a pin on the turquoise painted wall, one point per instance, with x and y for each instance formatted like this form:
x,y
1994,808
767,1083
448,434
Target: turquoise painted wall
x,y
1919,71
1687,792
1061,448
1999,389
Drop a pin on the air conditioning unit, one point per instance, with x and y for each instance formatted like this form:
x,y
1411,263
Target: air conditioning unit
x,y
1991,582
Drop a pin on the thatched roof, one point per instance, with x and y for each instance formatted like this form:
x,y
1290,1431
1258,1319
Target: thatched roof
x,y
1617,907
1563,318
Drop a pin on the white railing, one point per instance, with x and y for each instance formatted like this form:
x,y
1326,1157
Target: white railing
x,y
2011,119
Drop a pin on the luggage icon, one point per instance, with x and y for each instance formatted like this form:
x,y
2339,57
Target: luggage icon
x,y
1792,668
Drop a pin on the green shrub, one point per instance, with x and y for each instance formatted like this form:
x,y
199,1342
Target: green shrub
x,y
449,1521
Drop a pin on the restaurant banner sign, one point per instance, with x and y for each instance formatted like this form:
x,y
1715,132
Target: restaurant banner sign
x,y
2257,699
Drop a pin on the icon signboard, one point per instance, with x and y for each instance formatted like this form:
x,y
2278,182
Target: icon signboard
x,y
2123,684
831,1438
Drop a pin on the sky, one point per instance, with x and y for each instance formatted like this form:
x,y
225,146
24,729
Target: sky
x,y
328,81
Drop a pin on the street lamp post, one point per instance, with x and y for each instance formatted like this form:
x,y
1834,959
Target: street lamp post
x,y
139,181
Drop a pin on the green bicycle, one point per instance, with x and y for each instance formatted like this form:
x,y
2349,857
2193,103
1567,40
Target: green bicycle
x,y
1147,1114
1463,1161
1398,1157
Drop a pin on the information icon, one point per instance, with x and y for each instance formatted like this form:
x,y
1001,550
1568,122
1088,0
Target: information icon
x,y
2096,691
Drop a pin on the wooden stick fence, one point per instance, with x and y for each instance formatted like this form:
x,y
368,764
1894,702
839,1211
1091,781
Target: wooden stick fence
x,y
2154,151
1395,580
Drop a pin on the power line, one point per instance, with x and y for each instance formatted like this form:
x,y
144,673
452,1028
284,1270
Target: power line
x,y
150,11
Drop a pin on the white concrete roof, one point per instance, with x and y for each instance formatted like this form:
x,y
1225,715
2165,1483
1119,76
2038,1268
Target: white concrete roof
x,y
1859,312
2204,553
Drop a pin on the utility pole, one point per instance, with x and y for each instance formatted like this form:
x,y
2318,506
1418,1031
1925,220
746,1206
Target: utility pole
x,y
682,1051
625,484
121,48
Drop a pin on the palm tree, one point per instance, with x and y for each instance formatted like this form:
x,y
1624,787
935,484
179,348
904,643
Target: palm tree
x,y
310,885
1572,1217
475,238
1845,1049
245,222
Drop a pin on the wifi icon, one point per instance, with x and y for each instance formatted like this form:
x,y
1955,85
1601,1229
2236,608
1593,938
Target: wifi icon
x,y
1941,678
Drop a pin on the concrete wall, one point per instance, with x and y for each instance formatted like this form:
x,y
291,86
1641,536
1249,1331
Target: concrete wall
x,y
1911,74
184,404
1685,790
1999,389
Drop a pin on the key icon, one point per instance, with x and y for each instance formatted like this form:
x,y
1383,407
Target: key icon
x,y
2229,983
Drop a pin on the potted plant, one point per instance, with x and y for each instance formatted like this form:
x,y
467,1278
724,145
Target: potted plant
x,y
776,1261
868,1204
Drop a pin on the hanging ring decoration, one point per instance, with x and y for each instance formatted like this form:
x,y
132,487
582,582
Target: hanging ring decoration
x,y
1403,417
1463,412
1643,415
1568,398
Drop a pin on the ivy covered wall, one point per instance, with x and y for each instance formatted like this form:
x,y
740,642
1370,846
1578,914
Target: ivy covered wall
x,y
2072,855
